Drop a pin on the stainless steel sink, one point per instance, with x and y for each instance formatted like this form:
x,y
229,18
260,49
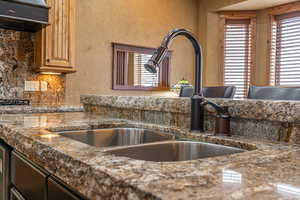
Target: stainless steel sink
x,y
116,136
172,151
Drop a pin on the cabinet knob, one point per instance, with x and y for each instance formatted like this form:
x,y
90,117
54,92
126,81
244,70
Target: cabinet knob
x,y
48,60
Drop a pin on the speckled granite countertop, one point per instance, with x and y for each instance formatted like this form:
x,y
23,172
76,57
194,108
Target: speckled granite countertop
x,y
269,171
283,111
40,108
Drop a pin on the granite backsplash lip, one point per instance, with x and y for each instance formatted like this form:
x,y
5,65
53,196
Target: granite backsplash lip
x,y
263,173
164,104
281,111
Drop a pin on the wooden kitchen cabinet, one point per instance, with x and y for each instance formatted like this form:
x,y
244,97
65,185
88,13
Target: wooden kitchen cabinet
x,y
31,182
57,190
28,178
55,44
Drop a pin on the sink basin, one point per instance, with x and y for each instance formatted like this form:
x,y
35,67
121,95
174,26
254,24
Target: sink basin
x,y
173,151
116,136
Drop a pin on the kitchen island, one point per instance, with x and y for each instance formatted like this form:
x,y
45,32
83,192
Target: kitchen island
x,y
268,170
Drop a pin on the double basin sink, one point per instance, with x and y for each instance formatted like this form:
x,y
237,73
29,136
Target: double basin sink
x,y
149,145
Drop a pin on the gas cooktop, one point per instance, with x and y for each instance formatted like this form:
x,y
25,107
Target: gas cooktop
x,y
12,102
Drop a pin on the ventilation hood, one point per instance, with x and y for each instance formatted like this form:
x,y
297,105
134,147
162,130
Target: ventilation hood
x,y
23,15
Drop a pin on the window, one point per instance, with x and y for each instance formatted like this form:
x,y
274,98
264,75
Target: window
x,y
129,72
237,54
285,50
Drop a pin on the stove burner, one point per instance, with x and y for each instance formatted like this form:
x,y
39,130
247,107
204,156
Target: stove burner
x,y
12,102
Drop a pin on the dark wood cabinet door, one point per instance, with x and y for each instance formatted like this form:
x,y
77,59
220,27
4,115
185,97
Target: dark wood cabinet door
x,y
29,179
57,190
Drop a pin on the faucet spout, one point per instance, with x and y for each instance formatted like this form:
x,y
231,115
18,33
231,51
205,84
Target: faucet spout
x,y
197,112
161,52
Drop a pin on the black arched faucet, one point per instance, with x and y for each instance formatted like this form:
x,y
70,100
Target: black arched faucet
x,y
198,101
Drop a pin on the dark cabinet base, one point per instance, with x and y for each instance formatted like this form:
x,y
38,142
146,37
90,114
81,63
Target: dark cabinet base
x,y
35,183
28,178
57,190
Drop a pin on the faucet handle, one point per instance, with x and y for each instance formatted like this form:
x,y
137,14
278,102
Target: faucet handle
x,y
219,109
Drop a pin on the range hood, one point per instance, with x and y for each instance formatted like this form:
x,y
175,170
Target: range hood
x,y
23,15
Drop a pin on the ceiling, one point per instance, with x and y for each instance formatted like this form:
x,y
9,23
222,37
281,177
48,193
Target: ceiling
x,y
256,4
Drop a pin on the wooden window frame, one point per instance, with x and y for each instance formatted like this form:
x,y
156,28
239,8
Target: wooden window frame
x,y
242,15
272,13
164,76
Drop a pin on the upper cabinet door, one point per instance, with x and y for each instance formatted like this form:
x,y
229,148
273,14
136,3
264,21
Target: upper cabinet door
x,y
55,50
60,34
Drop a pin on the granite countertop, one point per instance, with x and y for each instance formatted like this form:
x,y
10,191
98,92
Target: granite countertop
x,y
268,171
40,108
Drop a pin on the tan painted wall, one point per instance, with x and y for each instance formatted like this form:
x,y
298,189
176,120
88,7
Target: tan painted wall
x,y
262,49
136,22
212,47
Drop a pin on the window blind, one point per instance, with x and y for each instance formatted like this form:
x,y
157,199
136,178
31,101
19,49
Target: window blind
x,y
237,55
285,50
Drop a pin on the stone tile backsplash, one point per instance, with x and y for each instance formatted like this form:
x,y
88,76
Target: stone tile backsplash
x,y
16,61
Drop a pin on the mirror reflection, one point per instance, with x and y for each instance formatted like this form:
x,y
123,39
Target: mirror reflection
x,y
129,71
289,190
230,176
136,74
